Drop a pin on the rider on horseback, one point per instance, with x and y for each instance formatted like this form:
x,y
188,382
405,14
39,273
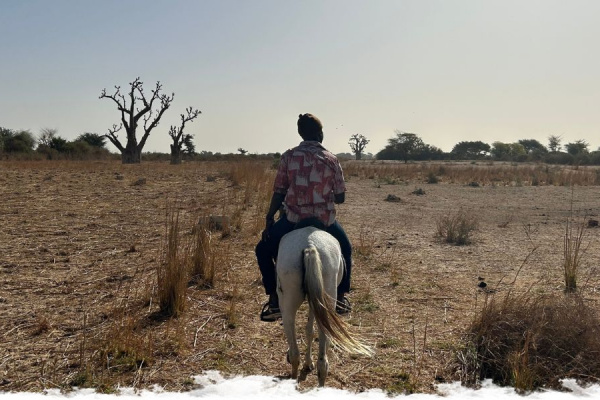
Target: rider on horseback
x,y
309,181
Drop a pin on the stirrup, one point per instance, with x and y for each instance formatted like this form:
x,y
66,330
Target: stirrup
x,y
343,306
270,314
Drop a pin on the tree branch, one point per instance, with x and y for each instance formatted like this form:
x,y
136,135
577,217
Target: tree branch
x,y
121,105
111,135
165,103
142,97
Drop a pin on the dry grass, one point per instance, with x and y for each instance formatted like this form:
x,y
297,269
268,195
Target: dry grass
x,y
173,270
202,258
81,246
363,247
573,252
457,228
256,180
532,340
484,173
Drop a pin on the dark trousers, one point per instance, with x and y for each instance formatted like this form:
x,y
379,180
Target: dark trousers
x,y
266,253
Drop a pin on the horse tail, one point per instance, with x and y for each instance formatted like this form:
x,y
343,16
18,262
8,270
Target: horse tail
x,y
323,307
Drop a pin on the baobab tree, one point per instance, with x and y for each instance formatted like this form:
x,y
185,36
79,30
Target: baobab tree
x,y
134,107
179,138
358,143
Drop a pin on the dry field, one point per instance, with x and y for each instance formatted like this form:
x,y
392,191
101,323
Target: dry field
x,y
80,243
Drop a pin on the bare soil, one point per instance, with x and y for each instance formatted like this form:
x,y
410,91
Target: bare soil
x,y
80,243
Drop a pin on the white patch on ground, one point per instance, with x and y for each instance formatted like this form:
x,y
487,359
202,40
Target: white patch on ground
x,y
215,387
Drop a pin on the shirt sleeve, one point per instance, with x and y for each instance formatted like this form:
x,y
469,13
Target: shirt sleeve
x,y
339,186
282,183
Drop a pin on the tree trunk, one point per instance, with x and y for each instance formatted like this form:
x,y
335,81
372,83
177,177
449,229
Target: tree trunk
x,y
175,155
131,156
358,155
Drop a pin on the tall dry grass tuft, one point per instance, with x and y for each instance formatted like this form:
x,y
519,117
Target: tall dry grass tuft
x,y
572,254
202,258
532,340
457,228
172,272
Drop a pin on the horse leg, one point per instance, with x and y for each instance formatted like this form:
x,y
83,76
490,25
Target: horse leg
x,y
290,299
293,354
322,363
308,364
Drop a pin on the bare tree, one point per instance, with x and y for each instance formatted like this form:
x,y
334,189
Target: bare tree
x,y
179,139
358,143
242,151
131,113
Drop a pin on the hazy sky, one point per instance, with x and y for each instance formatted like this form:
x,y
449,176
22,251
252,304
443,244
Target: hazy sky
x,y
446,70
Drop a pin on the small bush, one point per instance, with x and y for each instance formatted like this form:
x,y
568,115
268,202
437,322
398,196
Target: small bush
x,y
530,341
457,229
139,182
432,178
389,180
393,198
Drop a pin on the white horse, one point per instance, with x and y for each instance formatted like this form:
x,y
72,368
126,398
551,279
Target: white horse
x,y
310,264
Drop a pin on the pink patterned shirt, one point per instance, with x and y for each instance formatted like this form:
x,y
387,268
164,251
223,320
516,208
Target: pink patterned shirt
x,y
309,176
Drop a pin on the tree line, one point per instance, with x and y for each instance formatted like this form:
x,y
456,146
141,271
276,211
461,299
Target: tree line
x,y
142,112
48,145
406,146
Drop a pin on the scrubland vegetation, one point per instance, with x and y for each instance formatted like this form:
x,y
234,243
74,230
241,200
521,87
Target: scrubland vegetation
x,y
133,275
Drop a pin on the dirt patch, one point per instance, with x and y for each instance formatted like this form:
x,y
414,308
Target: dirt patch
x,y
80,244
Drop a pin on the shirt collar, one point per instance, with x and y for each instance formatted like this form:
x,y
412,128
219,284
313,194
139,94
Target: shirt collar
x,y
312,143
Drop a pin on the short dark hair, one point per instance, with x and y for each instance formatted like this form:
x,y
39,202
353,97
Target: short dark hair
x,y
309,127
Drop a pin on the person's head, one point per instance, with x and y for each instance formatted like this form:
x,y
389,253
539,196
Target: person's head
x,y
310,128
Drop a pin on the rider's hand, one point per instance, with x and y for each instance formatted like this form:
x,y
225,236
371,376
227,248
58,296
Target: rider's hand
x,y
265,234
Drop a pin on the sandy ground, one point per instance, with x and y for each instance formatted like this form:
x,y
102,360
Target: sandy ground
x,y
80,244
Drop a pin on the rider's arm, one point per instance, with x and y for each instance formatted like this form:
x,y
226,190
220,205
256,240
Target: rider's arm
x,y
339,185
276,202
